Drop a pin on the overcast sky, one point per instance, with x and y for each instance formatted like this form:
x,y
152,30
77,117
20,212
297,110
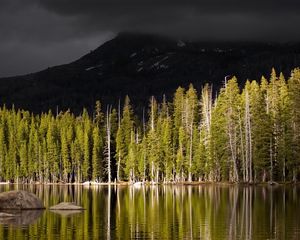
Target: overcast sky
x,y
35,34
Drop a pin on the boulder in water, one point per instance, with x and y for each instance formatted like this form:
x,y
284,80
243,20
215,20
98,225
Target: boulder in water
x,y
20,200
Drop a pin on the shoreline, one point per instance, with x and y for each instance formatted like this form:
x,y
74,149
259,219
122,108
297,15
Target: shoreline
x,y
140,184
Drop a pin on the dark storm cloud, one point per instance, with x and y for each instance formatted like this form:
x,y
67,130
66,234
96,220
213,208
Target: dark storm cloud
x,y
219,19
38,33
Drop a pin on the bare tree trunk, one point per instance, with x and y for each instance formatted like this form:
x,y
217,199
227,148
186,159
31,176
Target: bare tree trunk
x,y
206,103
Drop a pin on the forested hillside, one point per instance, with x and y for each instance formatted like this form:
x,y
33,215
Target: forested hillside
x,y
248,135
141,66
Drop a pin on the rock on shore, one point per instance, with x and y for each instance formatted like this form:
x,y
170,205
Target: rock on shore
x,y
20,200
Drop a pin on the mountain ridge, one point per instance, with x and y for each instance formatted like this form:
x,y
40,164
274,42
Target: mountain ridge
x,y
141,65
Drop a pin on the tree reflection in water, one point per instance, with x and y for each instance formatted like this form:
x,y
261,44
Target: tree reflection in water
x,y
165,212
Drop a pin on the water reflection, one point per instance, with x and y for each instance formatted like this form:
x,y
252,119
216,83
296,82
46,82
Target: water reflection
x,y
166,212
66,213
16,218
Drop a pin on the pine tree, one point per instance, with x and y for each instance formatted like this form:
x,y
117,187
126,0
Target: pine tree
x,y
97,173
65,156
260,129
86,154
191,117
124,137
131,158
219,140
294,95
142,159
166,148
153,140
273,110
33,147
285,128
53,157
203,144
109,143
3,150
180,156
232,102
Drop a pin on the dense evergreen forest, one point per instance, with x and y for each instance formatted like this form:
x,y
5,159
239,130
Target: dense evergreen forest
x,y
241,135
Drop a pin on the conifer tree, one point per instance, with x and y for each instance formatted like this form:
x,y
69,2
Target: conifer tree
x,y
53,157
219,140
124,138
109,143
65,156
97,174
260,129
166,148
86,155
3,150
153,142
294,96
285,129
204,143
232,105
191,118
131,158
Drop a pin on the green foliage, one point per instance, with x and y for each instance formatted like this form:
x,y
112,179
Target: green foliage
x,y
252,132
97,159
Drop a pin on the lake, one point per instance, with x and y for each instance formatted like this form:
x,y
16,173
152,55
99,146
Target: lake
x,y
160,212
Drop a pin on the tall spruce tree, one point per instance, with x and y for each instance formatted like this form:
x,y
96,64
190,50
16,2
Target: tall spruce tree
x,y
124,138
294,96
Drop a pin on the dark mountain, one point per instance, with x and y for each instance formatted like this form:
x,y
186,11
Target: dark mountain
x,y
142,65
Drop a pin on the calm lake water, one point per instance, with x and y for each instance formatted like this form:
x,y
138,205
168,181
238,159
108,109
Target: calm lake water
x,y
160,212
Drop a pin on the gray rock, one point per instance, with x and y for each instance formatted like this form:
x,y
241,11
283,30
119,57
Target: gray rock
x,y
66,206
20,200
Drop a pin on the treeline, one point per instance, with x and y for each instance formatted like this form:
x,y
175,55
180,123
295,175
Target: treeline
x,y
248,135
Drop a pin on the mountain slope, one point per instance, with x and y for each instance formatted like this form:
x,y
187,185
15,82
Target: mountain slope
x,y
141,66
